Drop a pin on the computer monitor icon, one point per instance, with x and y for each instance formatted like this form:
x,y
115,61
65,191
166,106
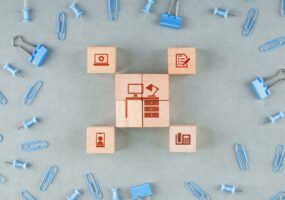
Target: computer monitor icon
x,y
135,89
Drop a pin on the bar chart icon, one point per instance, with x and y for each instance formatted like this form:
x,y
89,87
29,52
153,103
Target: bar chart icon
x,y
182,139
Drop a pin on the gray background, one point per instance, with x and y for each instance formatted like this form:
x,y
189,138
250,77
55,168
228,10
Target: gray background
x,y
217,99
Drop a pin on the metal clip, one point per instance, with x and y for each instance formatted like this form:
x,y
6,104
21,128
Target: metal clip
x,y
21,40
113,8
241,156
279,158
48,178
197,191
93,186
250,22
61,26
278,196
34,145
27,195
32,92
273,44
3,99
170,20
282,10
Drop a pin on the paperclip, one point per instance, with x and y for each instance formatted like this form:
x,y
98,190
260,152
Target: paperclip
x,y
93,186
32,92
34,145
282,10
48,178
278,196
197,191
61,26
279,158
3,99
272,44
169,20
27,195
241,156
113,8
250,22
2,179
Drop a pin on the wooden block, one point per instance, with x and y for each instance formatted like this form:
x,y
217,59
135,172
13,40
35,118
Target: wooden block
x,y
100,140
129,113
156,85
101,60
181,60
155,112
128,85
182,139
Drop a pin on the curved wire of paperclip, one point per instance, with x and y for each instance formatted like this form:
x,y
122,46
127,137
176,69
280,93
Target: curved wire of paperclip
x,y
250,22
48,178
27,195
241,156
34,145
93,186
197,192
32,92
113,8
272,44
279,158
61,26
278,196
3,99
282,10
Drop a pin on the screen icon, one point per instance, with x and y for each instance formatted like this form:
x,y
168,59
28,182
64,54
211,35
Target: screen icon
x,y
101,60
100,139
182,139
182,60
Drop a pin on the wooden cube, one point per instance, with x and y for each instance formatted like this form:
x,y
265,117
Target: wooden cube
x,y
156,85
182,60
128,86
155,112
101,59
182,139
100,140
129,113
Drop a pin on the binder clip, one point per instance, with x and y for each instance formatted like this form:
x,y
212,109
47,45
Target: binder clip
x,y
261,88
169,20
141,191
39,54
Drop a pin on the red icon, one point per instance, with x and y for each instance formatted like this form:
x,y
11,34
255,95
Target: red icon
x,y
182,139
135,89
182,60
100,139
101,60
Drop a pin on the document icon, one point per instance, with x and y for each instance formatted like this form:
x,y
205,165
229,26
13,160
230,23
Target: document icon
x,y
182,60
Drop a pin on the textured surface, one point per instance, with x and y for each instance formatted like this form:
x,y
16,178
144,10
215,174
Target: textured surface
x,y
217,99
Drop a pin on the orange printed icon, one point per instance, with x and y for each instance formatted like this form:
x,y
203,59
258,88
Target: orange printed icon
x,y
101,60
182,60
182,139
100,139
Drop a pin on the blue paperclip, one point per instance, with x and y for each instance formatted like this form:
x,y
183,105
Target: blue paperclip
x,y
141,191
169,20
48,178
61,26
282,10
250,22
272,44
32,92
3,99
93,186
113,9
26,195
34,145
2,179
241,156
197,191
278,196
1,138
279,158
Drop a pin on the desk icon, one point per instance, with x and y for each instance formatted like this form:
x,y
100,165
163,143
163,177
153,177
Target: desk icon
x,y
182,60
182,139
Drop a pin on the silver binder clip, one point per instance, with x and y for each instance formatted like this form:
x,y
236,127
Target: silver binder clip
x,y
93,186
32,92
48,178
282,10
3,99
197,192
241,156
113,9
27,195
34,145
61,26
250,22
279,158
272,44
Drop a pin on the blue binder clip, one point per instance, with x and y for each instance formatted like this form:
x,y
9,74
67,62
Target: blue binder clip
x,y
39,54
261,88
141,191
169,20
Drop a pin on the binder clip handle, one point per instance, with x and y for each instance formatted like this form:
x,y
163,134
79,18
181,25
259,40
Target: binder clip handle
x,y
21,41
275,75
176,9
